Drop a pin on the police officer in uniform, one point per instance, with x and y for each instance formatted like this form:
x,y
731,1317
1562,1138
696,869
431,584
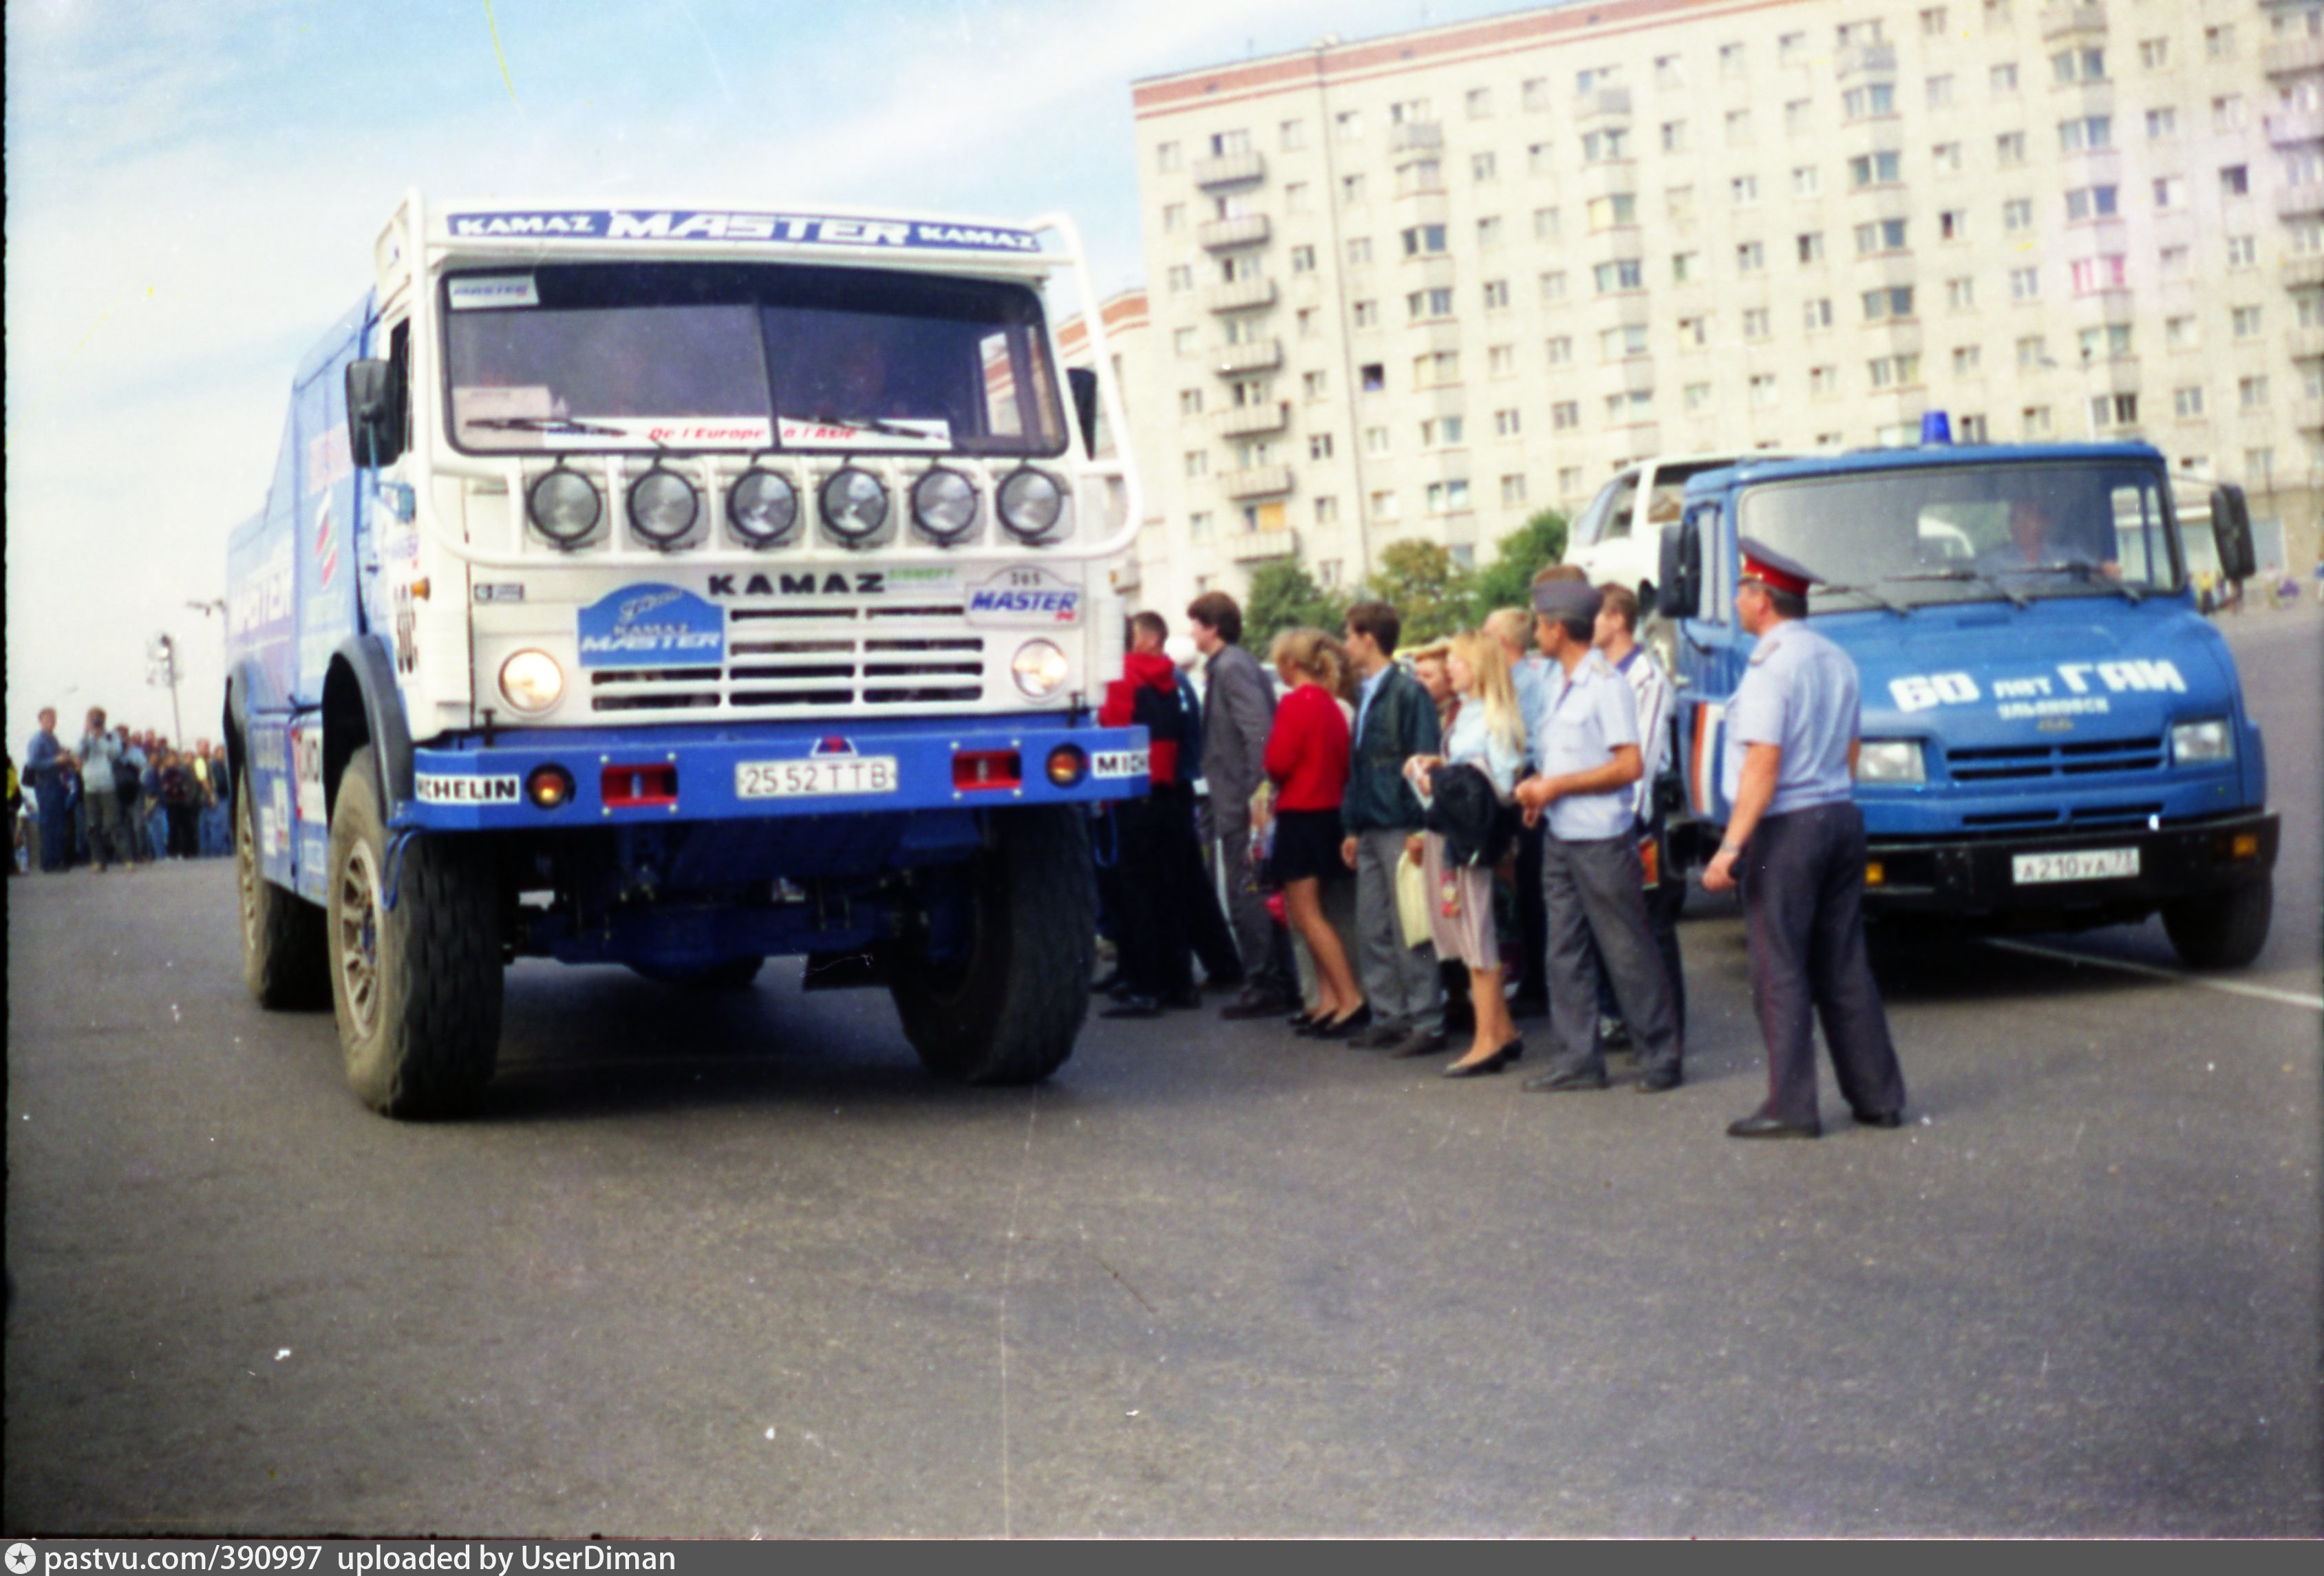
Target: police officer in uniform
x,y
1796,841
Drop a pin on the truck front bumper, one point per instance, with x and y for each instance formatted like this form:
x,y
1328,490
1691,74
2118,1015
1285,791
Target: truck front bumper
x,y
612,777
1985,876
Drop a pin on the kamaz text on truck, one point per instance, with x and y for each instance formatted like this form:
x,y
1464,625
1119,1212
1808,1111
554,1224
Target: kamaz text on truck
x,y
676,588
2053,737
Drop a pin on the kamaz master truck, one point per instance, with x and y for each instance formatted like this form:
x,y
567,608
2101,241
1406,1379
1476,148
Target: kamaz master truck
x,y
2053,737
677,587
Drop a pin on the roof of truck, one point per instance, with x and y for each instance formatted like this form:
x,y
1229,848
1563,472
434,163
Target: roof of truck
x,y
710,225
1924,457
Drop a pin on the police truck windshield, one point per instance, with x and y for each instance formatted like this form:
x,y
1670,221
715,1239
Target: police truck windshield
x,y
743,357
1913,537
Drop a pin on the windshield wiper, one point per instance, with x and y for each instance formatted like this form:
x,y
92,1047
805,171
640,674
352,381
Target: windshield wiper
x,y
545,424
866,424
1987,580
2089,573
1898,608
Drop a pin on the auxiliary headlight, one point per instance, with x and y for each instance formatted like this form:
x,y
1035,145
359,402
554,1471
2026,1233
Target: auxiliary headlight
x,y
854,504
1891,760
763,506
532,680
2202,743
564,506
1040,669
1031,504
945,503
663,506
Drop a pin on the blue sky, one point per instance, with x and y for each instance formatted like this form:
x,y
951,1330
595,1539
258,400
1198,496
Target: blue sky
x,y
193,188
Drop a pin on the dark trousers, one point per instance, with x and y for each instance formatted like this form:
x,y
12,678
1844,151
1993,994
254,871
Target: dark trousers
x,y
1597,908
1205,922
56,824
1802,878
1156,960
184,826
1663,901
1226,837
1533,917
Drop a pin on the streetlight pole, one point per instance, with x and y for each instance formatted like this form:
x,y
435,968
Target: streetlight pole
x,y
161,671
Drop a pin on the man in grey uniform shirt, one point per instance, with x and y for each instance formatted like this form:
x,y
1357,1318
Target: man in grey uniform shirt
x,y
1585,740
1795,839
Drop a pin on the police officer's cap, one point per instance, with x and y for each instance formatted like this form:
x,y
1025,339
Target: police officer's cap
x,y
1564,599
1774,570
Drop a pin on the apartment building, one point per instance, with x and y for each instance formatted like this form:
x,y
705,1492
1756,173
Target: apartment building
x,y
1426,284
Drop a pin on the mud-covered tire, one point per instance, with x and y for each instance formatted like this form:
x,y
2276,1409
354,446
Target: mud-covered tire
x,y
1009,1013
2221,930
285,953
733,974
416,989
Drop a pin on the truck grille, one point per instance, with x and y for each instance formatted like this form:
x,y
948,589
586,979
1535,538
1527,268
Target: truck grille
x,y
783,661
2080,758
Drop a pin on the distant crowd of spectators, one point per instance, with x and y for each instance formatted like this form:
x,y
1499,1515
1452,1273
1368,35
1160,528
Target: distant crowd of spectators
x,y
115,798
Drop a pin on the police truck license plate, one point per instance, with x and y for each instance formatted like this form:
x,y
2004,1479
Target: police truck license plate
x,y
2096,864
817,777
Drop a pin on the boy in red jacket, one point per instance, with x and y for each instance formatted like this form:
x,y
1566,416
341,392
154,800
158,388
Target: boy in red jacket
x,y
1157,962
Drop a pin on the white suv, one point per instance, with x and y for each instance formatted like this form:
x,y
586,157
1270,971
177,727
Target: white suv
x,y
1618,538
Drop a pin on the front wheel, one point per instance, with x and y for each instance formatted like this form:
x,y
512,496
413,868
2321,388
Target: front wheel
x,y
2221,930
1009,1010
416,987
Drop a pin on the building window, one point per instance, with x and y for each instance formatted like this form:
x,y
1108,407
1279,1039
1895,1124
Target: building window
x,y
1303,260
1319,445
1545,224
1552,285
1182,341
2114,411
1888,302
1635,405
1823,382
1972,429
2243,251
1365,314
1174,215
1674,136
2017,214
1352,189
2032,351
2182,334
1384,505
1961,294
2009,150
1505,423
1805,181
1620,275
1619,344
2091,202
1792,49
1762,389
1678,202
1751,257
2034,421
1299,197
1480,102
1420,175
2089,131
1295,135
1190,401
1731,60
1513,491
2171,191
1872,98
1744,191
1799,116
1811,248
1952,225
1351,125
1895,372
2162,123
1819,314
1755,323
1693,333
1315,385
2186,404
1941,91
1697,396
1966,358
1429,303
2003,80
1739,128
1564,414
1607,212
1327,512
1932,22
1182,278
1945,158
2251,393
1198,462
1373,377
2245,321
1424,240
2259,465
1600,146
1436,370
1166,156
2085,65
1496,294
1873,170
2024,284
1447,497
1376,440
2219,42
1590,82
2154,54
1488,233
1483,167
1534,93
2235,180
1880,235
2106,343
1561,350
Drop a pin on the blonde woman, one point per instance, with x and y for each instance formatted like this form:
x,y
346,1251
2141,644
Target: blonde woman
x,y
1307,762
1487,735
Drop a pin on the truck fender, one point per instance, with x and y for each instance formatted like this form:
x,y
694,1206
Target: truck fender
x,y
362,706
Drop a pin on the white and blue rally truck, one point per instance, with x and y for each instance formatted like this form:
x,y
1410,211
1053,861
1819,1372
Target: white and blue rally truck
x,y
2053,736
678,587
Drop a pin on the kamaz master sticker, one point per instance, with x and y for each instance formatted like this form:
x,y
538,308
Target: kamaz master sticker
x,y
651,626
1029,594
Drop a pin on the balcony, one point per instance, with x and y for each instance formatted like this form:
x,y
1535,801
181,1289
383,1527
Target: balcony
x,y
1246,419
2308,413
1255,546
1242,230
2292,56
2307,342
1241,296
2293,202
1260,355
2067,18
1230,169
2303,272
1866,60
1601,105
1415,136
1257,482
2291,127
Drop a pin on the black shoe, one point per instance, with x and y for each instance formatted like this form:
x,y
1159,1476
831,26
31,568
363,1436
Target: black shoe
x,y
1134,1006
1879,1119
1186,1000
1344,1028
1379,1037
1661,1082
1566,1081
1493,1063
1423,1042
1762,1124
1219,982
1525,1006
1257,1002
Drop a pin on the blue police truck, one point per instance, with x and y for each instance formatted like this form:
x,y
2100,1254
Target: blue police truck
x,y
677,587
2053,737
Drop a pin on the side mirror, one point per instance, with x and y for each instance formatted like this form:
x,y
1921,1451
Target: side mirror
x,y
2231,530
1679,593
374,414
1083,381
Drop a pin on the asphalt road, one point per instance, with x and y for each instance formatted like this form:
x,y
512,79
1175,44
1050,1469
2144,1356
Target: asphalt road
x,y
734,1266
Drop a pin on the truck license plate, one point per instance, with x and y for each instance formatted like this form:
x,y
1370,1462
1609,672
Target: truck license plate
x,y
817,777
2096,864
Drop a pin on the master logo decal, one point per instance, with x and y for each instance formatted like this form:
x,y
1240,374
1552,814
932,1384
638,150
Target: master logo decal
x,y
651,626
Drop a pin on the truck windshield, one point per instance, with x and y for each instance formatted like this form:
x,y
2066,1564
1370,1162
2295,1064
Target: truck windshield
x,y
690,357
1913,537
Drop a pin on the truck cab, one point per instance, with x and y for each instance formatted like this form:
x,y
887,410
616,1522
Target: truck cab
x,y
2052,736
677,587
1616,538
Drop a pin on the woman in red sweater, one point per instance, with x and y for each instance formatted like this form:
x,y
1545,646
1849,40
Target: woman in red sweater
x,y
1307,761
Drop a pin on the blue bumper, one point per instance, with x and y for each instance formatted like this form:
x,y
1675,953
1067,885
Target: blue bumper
x,y
755,770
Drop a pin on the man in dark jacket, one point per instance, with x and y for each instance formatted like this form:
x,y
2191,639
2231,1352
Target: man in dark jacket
x,y
1394,721
1155,832
1238,714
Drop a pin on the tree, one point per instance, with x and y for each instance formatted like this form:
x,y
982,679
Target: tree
x,y
1285,596
1430,592
1508,580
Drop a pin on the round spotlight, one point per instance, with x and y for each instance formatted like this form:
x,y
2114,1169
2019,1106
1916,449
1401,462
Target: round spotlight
x,y
944,502
532,681
854,505
762,507
1040,669
564,507
548,788
1031,504
663,507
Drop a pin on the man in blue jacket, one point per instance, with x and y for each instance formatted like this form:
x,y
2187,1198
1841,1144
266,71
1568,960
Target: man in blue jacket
x,y
44,769
1394,721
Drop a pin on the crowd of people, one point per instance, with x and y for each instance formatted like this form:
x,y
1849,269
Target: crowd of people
x,y
115,798
1397,849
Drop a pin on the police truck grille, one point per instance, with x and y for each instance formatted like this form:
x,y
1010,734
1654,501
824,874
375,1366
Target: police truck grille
x,y
791,661
2080,758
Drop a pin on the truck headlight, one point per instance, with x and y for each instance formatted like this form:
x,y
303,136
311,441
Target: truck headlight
x,y
1040,669
564,507
1031,504
854,504
663,507
532,681
945,503
1891,760
2202,743
763,506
